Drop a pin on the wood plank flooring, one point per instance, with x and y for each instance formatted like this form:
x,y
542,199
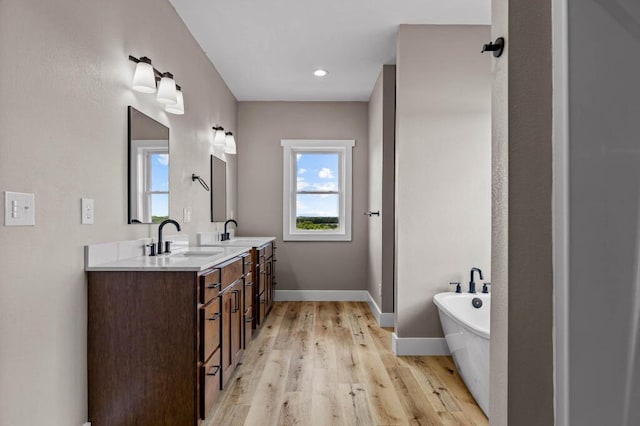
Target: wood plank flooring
x,y
328,363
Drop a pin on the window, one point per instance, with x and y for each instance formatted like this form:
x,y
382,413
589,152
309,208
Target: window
x,y
317,190
149,190
156,194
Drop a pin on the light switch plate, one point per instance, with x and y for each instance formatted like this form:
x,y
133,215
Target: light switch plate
x,y
19,209
186,214
86,211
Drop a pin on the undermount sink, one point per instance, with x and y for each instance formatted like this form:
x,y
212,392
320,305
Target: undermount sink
x,y
198,253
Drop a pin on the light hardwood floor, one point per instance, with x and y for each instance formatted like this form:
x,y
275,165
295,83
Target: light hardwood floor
x,y
328,363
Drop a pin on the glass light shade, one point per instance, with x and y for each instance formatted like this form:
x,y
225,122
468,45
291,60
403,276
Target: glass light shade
x,y
167,93
177,108
230,144
144,79
219,138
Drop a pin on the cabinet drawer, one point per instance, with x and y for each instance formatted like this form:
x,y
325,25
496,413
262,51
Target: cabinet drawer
x,y
268,251
209,286
210,317
249,294
247,265
210,374
231,272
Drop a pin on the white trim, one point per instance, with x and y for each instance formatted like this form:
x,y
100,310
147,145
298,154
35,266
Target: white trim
x,y
384,319
321,296
560,52
345,149
419,346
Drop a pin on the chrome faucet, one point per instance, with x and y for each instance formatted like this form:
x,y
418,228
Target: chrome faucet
x,y
162,224
225,235
472,283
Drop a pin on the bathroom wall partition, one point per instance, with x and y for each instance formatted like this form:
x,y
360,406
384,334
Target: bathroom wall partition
x,y
603,212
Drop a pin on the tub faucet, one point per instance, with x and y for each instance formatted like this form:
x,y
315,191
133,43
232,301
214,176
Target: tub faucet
x,y
162,224
225,235
472,283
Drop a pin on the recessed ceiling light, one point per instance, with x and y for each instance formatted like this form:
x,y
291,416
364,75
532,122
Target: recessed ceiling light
x,y
320,73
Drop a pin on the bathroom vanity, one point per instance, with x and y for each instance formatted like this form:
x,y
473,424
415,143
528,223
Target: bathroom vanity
x,y
166,333
263,262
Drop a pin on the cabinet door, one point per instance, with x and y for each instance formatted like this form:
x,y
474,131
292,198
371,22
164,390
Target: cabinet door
x,y
232,323
269,284
237,322
248,310
228,303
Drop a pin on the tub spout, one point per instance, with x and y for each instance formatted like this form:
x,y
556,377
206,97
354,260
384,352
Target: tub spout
x,y
472,283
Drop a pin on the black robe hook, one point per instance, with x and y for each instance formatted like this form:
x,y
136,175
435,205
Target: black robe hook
x,y
497,47
195,177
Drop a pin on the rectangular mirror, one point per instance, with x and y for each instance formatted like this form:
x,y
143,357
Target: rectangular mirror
x,y
148,169
218,189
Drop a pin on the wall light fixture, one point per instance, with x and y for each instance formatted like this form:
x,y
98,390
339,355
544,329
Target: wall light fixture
x,y
145,78
219,137
230,143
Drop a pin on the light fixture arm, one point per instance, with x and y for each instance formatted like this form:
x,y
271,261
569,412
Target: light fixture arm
x,y
156,72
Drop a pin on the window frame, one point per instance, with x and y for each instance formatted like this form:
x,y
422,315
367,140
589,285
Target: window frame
x,y
148,191
291,147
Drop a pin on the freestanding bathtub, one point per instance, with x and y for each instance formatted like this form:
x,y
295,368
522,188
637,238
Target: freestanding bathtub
x,y
466,329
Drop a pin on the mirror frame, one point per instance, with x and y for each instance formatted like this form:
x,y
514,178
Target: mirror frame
x,y
215,189
130,110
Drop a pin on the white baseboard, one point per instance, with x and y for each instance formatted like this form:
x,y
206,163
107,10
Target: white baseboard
x,y
384,319
419,346
321,296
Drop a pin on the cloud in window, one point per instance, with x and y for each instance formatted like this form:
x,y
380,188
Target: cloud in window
x,y
302,185
163,159
302,171
325,186
325,173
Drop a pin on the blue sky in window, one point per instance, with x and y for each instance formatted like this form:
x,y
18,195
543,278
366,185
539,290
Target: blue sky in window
x,y
317,172
160,172
160,182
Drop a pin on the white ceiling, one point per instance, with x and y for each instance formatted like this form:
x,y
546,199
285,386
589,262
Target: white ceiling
x,y
267,49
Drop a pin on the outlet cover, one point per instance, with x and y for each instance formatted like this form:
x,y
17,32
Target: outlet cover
x,y
19,209
86,211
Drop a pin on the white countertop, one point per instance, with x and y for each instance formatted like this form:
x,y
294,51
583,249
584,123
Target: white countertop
x,y
204,240
176,261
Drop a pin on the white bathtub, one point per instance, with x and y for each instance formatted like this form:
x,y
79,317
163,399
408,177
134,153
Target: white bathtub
x,y
466,330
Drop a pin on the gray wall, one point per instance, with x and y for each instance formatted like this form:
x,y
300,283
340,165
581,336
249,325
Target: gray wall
x,y
324,265
65,81
522,304
443,163
382,117
604,186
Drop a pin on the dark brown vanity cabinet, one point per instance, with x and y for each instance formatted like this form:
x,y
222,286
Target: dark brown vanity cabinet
x,y
249,298
232,302
264,276
162,343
